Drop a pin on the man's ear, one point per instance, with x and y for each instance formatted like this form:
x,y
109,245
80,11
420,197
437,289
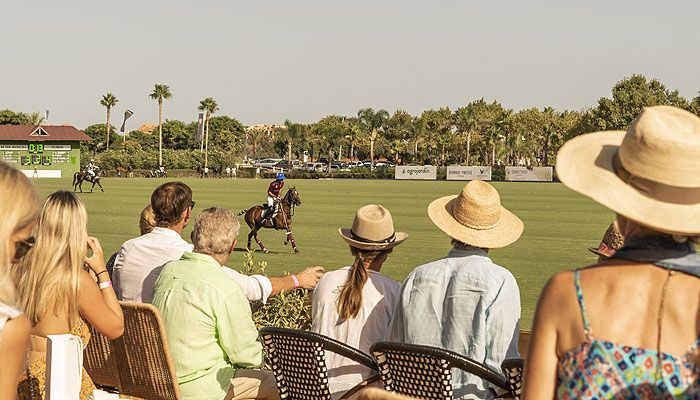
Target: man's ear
x,y
185,216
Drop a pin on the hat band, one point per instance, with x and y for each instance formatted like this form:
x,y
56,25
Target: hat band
x,y
359,238
656,190
471,226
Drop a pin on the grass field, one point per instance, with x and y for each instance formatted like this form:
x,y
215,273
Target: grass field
x,y
559,224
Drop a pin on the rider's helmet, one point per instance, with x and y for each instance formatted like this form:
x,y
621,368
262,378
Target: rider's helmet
x,y
92,160
280,176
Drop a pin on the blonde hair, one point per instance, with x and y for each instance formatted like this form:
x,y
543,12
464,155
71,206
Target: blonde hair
x,y
48,278
19,208
214,231
147,221
350,298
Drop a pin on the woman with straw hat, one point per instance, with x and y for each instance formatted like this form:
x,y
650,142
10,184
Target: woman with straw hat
x,y
354,304
465,302
628,327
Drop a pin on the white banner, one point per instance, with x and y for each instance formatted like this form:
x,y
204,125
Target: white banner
x,y
20,147
459,173
42,173
57,147
426,172
529,174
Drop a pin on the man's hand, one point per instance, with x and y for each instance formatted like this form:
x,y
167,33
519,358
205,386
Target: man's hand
x,y
308,278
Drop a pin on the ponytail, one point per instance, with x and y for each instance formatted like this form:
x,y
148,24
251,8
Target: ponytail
x,y
350,298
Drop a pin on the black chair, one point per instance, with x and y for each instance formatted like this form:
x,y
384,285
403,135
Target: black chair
x,y
513,370
425,372
297,360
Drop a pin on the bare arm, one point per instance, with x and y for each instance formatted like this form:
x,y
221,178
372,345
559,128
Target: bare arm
x,y
13,349
99,306
540,378
308,279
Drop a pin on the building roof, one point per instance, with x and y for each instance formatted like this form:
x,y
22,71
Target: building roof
x,y
42,133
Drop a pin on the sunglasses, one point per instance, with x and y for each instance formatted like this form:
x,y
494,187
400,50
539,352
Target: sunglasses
x,y
192,203
23,247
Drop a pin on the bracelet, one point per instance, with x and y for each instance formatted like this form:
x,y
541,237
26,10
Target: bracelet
x,y
296,281
105,285
100,273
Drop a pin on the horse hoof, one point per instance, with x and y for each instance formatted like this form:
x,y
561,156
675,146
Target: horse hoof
x,y
285,243
297,251
266,251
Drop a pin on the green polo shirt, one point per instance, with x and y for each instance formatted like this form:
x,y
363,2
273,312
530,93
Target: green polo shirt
x,y
209,325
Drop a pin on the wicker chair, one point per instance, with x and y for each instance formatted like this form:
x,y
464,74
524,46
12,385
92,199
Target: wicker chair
x,y
380,394
298,362
141,358
425,372
513,370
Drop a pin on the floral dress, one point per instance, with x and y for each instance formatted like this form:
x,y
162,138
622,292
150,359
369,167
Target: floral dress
x,y
32,386
599,369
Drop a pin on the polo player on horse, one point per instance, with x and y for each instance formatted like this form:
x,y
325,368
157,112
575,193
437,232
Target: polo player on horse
x,y
273,195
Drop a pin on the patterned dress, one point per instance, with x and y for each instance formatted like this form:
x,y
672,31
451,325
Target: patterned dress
x,y
33,387
599,369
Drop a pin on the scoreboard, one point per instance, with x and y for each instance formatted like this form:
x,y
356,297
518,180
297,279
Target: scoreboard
x,y
36,154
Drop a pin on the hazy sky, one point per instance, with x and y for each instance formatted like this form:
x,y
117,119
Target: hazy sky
x,y
266,61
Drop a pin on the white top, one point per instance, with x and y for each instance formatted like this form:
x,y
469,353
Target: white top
x,y
379,295
7,312
141,259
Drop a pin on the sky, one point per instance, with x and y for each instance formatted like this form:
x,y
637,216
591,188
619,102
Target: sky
x,y
267,61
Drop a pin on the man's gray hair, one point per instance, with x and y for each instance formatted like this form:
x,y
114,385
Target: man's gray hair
x,y
214,231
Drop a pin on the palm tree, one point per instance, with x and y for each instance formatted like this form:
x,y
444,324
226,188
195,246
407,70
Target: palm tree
x,y
160,92
109,100
209,106
35,119
372,121
291,133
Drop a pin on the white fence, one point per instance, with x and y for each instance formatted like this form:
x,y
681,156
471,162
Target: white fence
x,y
459,173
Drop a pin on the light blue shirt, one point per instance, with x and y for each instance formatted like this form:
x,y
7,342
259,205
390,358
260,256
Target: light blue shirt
x,y
464,303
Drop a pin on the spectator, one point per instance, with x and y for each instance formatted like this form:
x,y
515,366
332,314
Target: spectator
x,y
19,207
208,319
612,242
139,260
465,302
57,292
628,327
354,304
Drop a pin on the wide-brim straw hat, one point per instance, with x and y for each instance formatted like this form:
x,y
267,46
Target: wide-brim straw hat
x,y
476,217
373,229
649,174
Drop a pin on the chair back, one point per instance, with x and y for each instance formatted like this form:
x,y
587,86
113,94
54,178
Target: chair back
x,y
425,372
297,360
143,363
513,370
100,361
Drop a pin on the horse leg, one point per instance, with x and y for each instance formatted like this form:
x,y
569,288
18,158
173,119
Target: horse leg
x,y
291,239
250,238
100,185
259,242
92,187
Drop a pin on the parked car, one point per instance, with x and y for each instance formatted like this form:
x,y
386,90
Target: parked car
x,y
339,167
355,164
314,167
284,164
267,162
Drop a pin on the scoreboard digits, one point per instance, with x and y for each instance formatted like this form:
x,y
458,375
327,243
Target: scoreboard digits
x,y
36,148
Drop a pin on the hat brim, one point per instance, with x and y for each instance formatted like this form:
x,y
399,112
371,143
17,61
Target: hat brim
x,y
585,165
507,230
598,252
345,234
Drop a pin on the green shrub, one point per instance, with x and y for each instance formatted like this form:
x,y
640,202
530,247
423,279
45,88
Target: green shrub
x,y
286,310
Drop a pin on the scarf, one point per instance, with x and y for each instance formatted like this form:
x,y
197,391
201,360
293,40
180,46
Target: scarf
x,y
661,251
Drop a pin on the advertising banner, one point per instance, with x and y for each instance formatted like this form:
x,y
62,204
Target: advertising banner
x,y
425,172
529,174
459,173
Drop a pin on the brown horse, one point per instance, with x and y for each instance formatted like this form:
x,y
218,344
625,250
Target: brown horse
x,y
283,219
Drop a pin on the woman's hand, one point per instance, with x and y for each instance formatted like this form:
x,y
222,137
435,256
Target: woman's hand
x,y
97,261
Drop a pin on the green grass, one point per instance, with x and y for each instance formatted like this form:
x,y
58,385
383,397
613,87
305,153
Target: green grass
x,y
559,224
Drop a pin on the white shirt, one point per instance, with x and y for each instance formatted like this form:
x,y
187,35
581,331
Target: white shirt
x,y
141,259
379,295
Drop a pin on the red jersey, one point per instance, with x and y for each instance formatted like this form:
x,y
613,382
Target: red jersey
x,y
275,187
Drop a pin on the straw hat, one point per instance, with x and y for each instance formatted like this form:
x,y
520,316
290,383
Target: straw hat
x,y
649,174
612,241
476,217
373,229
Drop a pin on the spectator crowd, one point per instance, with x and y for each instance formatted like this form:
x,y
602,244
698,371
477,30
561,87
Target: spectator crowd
x,y
626,327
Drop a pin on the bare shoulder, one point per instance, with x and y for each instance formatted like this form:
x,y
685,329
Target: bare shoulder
x,y
17,328
560,284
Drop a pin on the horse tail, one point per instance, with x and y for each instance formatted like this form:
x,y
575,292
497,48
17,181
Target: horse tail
x,y
242,212
75,178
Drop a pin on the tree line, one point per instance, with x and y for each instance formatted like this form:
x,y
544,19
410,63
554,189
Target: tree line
x,y
479,133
